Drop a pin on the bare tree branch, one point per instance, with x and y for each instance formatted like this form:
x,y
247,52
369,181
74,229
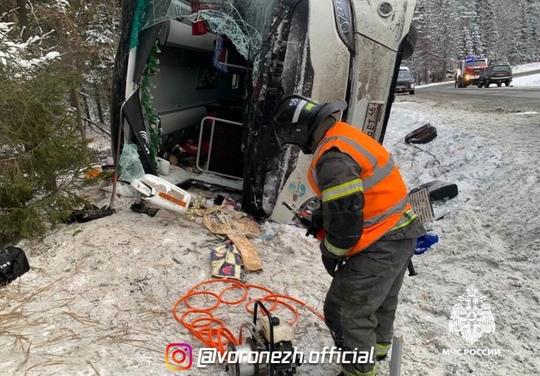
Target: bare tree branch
x,y
98,127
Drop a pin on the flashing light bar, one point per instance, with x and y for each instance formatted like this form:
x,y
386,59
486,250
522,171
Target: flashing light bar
x,y
470,58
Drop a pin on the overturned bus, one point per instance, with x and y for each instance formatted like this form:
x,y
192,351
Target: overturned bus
x,y
206,76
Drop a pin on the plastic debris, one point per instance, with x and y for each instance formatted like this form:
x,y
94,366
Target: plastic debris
x,y
425,242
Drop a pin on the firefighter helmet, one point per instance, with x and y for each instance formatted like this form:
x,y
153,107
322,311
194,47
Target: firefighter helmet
x,y
298,117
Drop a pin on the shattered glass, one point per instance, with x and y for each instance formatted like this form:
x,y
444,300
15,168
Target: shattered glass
x,y
242,21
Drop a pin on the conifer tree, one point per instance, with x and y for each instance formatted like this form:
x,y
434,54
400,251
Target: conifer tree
x,y
42,156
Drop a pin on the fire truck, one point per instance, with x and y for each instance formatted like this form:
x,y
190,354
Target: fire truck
x,y
469,69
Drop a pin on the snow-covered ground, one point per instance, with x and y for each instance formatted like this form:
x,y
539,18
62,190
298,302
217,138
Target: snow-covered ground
x,y
531,80
526,67
99,297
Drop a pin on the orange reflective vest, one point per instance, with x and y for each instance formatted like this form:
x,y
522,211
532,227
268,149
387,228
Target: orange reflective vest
x,y
386,204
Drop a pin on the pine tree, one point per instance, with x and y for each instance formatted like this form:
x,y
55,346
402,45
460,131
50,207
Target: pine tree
x,y
41,153
487,19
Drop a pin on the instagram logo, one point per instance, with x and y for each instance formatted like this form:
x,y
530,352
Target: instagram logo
x,y
178,356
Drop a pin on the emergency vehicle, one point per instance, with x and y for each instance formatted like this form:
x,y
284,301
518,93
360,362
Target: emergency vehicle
x,y
469,69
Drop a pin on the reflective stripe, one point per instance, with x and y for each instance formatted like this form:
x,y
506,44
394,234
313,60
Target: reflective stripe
x,y
335,250
371,158
406,218
298,110
314,175
382,349
397,208
342,190
356,372
379,173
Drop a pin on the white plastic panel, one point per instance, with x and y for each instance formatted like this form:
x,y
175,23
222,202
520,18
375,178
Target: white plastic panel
x,y
329,55
175,121
176,33
375,73
388,31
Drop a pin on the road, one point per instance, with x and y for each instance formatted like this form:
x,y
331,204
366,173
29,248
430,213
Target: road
x,y
510,99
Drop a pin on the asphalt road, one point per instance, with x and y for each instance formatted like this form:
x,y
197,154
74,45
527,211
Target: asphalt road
x,y
508,99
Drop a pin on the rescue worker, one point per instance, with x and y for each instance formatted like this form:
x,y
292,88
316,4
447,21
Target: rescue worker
x,y
370,228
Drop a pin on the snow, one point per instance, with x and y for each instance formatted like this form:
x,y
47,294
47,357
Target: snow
x,y
99,296
52,55
11,53
526,67
532,80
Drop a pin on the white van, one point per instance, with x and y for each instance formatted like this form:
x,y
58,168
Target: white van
x,y
224,66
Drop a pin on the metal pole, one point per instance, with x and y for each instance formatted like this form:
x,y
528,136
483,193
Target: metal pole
x,y
397,349
412,272
117,156
118,144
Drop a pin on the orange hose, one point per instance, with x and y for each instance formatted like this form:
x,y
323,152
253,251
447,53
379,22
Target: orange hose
x,y
205,326
319,315
212,331
188,312
204,293
234,302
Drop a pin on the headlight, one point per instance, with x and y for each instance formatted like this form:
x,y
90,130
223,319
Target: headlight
x,y
411,85
344,22
467,76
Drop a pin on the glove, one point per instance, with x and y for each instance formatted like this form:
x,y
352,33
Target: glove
x,y
330,265
329,261
316,227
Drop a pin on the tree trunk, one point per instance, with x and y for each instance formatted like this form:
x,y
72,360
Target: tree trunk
x,y
99,106
76,102
23,19
86,107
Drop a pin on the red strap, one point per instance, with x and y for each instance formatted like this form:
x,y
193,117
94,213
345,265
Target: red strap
x,y
198,27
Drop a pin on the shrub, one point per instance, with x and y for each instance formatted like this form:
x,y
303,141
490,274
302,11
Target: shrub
x,y
42,155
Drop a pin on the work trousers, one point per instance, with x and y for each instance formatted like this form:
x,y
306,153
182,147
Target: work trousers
x,y
360,306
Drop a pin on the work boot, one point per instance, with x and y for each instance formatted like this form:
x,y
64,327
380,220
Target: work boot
x,y
382,351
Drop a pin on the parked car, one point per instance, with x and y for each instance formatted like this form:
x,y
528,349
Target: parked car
x,y
496,74
405,82
220,78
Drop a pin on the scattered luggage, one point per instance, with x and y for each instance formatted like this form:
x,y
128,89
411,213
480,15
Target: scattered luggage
x,y
162,193
141,207
89,213
13,264
422,135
